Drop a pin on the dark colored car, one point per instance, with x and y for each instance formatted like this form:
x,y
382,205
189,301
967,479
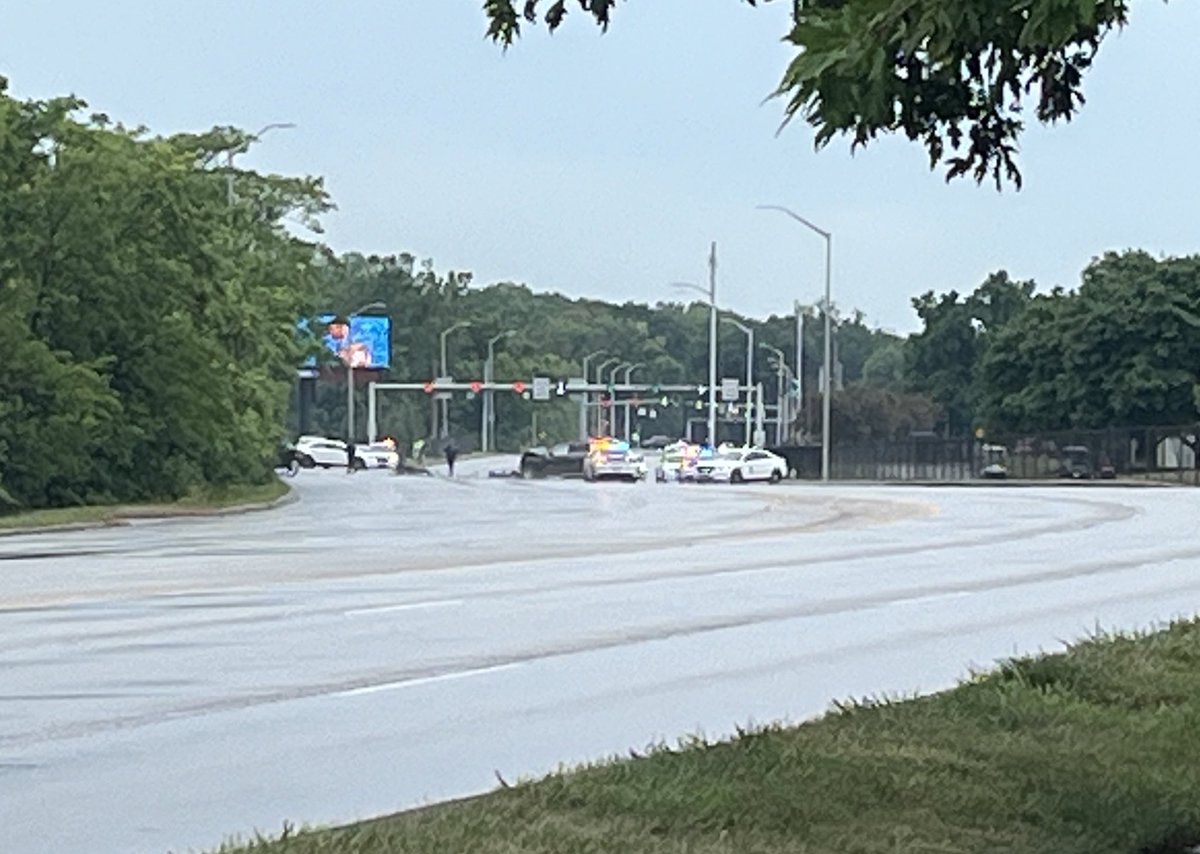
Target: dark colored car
x,y
657,443
1076,463
565,460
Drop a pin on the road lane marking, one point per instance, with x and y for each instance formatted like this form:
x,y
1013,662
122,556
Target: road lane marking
x,y
425,680
405,606
933,597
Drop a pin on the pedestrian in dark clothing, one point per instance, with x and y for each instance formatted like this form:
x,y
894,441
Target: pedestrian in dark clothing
x,y
350,457
451,456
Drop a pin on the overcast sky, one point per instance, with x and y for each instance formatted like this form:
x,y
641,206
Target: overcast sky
x,y
603,166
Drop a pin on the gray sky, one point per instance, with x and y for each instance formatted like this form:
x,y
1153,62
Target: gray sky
x,y
603,166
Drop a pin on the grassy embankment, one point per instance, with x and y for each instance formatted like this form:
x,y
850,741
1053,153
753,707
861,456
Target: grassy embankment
x,y
1096,750
201,501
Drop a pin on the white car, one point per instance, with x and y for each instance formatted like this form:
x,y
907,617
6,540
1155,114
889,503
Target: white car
x,y
323,452
740,465
610,460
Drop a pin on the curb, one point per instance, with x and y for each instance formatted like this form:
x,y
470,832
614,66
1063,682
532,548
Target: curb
x,y
121,519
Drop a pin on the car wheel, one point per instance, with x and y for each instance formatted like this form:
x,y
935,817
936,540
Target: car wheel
x,y
305,461
359,464
776,476
736,476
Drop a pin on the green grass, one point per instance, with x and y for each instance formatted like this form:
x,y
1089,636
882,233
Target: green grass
x,y
196,503
1092,751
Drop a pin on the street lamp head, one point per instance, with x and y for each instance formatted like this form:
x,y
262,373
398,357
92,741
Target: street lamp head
x,y
797,217
745,329
371,306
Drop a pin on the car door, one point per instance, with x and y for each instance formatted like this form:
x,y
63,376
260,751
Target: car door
x,y
558,461
756,467
330,453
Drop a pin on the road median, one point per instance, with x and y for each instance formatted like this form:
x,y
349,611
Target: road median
x,y
225,501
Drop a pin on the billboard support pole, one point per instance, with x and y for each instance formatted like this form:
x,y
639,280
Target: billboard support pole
x,y
372,427
349,400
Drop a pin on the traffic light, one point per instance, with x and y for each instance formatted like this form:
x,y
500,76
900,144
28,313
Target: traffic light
x,y
429,387
518,387
476,386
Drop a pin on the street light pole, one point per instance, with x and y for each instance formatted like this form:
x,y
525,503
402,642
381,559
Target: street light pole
x,y
487,430
586,397
780,399
350,367
749,333
628,379
599,419
827,385
445,426
612,400
241,149
711,293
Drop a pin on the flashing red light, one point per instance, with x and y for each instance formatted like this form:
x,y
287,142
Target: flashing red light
x,y
518,387
476,386
429,388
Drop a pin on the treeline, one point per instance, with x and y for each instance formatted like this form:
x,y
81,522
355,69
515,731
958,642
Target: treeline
x,y
1123,349
551,335
149,294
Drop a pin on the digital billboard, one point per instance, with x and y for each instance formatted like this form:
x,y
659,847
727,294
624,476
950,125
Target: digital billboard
x,y
363,342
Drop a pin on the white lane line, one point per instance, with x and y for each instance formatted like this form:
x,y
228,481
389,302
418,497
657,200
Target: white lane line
x,y
935,597
406,606
424,680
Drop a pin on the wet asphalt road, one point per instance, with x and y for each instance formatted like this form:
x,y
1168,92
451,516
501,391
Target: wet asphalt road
x,y
389,641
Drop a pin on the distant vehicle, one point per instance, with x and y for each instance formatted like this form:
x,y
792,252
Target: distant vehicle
x,y
563,460
674,459
323,452
995,462
739,465
656,443
1076,463
610,459
378,455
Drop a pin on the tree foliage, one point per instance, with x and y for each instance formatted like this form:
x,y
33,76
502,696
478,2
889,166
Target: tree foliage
x,y
150,322
955,76
1123,349
669,342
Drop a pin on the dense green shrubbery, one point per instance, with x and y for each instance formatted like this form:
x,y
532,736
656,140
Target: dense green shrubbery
x,y
149,307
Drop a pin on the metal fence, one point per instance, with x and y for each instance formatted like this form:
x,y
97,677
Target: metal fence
x,y
1169,454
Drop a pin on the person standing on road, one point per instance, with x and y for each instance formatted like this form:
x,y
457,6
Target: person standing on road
x,y
349,456
451,455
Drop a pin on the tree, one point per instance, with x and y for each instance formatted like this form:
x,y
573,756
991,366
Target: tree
x,y
943,359
953,75
1122,350
151,339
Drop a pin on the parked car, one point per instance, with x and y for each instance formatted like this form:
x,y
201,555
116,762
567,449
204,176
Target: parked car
x,y
656,443
610,459
324,452
563,460
1076,463
995,462
739,465
674,459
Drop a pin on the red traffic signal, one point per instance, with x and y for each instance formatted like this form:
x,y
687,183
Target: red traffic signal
x,y
476,386
518,387
429,388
